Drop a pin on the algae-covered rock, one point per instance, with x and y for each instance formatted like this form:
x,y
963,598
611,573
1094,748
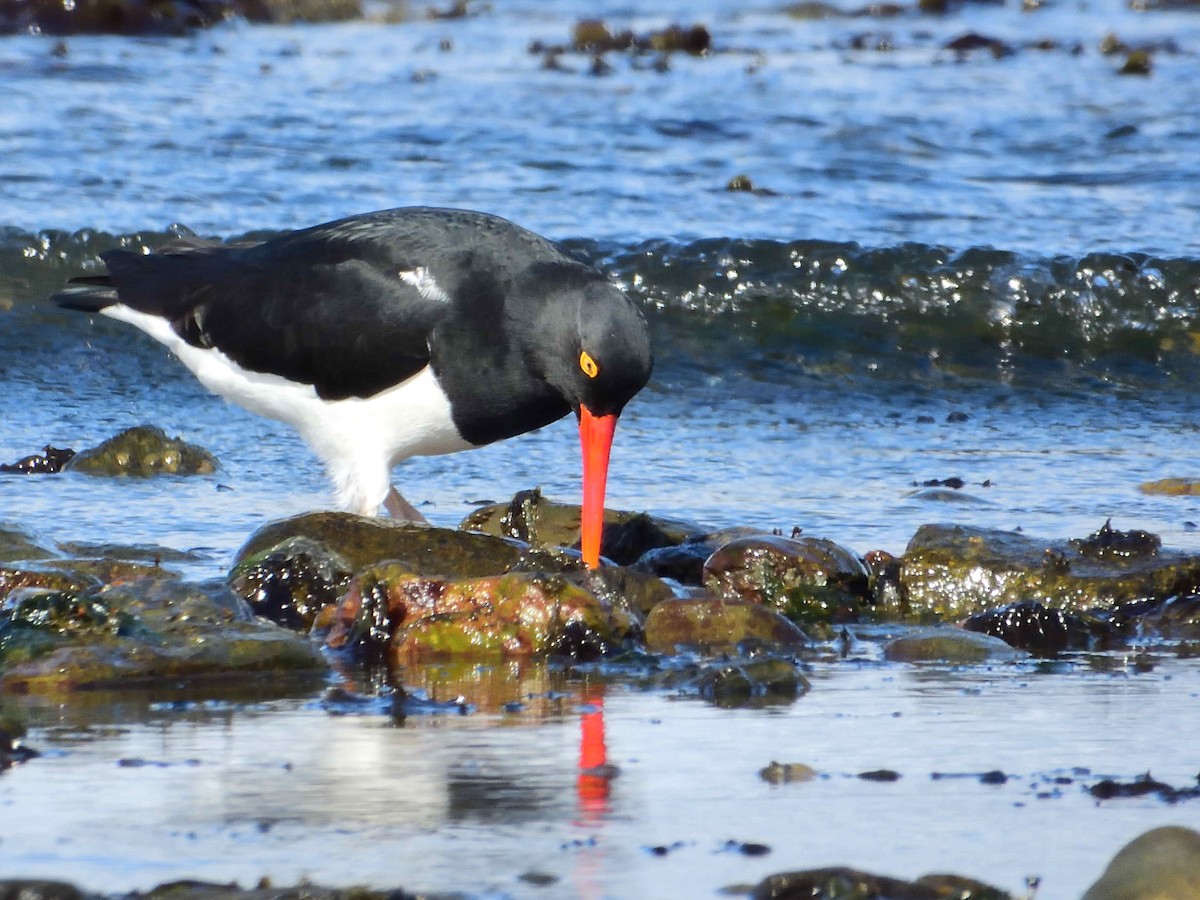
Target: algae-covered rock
x,y
949,645
809,580
290,582
512,615
531,518
638,593
718,625
141,631
362,541
1172,487
845,882
953,571
143,450
1160,864
44,576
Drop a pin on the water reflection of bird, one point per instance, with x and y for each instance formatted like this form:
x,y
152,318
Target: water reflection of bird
x,y
393,334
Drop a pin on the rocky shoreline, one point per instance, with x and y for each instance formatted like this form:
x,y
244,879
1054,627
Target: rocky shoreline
x,y
727,616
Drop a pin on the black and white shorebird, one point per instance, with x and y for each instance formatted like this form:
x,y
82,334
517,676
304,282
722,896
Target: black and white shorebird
x,y
394,334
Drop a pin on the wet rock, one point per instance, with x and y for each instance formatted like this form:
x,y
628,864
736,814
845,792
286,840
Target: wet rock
x,y
953,571
143,450
741,681
684,562
972,41
44,577
717,625
1172,487
362,541
809,580
1138,62
16,545
36,889
1161,863
290,583
1031,626
786,773
391,612
1144,786
740,183
846,882
1176,618
531,518
136,632
1108,543
49,461
593,37
949,645
161,17
635,592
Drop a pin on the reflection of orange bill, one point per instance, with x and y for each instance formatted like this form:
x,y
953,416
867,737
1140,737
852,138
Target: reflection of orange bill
x,y
594,783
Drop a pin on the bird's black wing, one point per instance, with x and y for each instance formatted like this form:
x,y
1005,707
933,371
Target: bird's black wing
x,y
347,307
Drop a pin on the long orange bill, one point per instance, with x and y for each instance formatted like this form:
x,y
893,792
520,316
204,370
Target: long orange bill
x,y
595,435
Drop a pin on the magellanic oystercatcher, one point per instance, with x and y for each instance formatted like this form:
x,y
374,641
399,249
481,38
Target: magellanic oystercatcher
x,y
394,334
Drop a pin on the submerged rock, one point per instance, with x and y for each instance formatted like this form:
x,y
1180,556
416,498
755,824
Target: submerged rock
x,y
362,541
144,450
711,626
1162,863
809,580
739,681
953,571
948,645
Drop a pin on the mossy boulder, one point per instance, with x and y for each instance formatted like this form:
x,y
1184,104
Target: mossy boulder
x,y
362,541
394,613
141,631
812,581
950,572
717,625
143,450
841,881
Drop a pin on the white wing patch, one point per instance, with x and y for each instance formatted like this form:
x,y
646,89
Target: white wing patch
x,y
422,279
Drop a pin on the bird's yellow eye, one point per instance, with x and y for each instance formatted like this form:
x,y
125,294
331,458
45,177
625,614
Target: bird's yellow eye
x,y
590,367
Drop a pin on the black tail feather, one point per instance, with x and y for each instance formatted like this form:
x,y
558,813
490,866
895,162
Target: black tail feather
x,y
87,293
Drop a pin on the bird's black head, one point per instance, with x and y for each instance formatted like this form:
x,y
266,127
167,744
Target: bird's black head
x,y
594,345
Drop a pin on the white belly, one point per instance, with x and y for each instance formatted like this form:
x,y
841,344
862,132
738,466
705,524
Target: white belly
x,y
359,439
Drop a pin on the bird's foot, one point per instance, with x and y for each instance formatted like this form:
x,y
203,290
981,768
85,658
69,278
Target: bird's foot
x,y
400,509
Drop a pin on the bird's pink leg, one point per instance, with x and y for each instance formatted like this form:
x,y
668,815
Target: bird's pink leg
x,y
400,509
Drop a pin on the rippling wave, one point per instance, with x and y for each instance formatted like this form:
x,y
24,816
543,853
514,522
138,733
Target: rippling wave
x,y
816,307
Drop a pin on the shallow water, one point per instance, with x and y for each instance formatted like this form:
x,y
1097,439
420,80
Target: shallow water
x,y
237,791
1012,239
